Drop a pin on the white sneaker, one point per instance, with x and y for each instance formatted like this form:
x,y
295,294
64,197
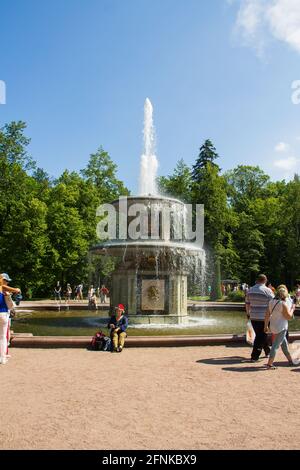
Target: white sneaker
x,y
3,360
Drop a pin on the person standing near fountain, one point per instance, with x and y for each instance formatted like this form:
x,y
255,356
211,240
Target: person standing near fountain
x,y
103,293
297,293
257,301
4,317
279,312
68,293
79,292
5,281
118,325
57,292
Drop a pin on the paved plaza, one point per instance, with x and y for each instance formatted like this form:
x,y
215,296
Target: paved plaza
x,y
159,398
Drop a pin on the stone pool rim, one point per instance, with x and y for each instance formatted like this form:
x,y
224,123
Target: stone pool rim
x,y
27,340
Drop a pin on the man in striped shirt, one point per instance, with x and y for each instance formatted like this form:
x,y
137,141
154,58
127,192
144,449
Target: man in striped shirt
x,y
257,300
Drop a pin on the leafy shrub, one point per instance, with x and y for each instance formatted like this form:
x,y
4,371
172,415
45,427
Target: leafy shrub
x,y
236,296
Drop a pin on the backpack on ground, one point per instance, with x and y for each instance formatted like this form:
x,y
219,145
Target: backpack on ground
x,y
100,342
97,341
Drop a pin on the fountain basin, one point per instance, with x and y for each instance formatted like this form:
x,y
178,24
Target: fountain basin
x,y
86,323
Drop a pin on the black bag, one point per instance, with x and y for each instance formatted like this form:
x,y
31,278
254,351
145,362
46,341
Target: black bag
x,y
106,344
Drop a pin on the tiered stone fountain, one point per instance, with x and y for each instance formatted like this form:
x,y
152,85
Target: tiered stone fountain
x,y
151,274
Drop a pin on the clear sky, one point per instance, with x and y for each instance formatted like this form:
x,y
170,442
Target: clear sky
x,y
78,72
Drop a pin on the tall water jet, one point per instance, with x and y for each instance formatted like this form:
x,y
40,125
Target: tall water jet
x,y
149,163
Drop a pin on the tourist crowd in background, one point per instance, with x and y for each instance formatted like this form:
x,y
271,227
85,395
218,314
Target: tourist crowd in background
x,y
228,288
93,294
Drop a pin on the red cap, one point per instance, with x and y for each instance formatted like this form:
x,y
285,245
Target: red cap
x,y
121,307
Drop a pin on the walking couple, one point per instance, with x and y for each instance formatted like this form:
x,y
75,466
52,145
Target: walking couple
x,y
269,313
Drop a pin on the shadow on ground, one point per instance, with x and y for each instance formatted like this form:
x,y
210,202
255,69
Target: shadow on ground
x,y
245,369
219,361
231,361
278,365
238,345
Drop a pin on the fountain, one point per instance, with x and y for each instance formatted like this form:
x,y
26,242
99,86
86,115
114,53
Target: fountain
x,y
153,252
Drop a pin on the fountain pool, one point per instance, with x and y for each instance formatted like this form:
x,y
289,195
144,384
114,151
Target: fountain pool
x,y
86,323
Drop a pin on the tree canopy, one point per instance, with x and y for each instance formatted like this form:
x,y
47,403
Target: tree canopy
x,y
48,225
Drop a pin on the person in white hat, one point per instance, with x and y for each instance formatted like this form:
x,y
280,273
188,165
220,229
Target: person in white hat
x,y
4,316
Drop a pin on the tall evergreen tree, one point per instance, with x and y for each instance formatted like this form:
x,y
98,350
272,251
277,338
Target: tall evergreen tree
x,y
209,188
207,154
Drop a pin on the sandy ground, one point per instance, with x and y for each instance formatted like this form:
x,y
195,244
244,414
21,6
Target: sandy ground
x,y
160,398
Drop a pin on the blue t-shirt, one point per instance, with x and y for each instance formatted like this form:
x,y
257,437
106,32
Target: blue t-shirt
x,y
3,306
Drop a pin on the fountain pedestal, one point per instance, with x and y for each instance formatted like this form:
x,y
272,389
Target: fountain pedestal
x,y
151,298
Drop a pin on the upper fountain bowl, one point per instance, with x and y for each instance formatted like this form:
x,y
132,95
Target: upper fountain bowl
x,y
151,223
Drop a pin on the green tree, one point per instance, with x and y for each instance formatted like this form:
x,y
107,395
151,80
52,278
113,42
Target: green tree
x,y
178,184
47,226
289,248
229,253
207,154
246,183
101,173
250,247
210,188
259,239
23,228
216,292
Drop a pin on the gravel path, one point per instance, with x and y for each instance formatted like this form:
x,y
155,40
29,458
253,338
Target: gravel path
x,y
160,398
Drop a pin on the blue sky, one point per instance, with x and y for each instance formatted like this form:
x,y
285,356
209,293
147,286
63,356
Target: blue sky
x,y
78,72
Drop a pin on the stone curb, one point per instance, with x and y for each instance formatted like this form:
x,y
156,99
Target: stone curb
x,y
45,342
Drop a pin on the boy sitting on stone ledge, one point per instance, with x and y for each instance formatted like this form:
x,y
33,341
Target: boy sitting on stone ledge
x,y
118,325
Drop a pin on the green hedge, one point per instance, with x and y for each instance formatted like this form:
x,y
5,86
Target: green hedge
x,y
237,296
